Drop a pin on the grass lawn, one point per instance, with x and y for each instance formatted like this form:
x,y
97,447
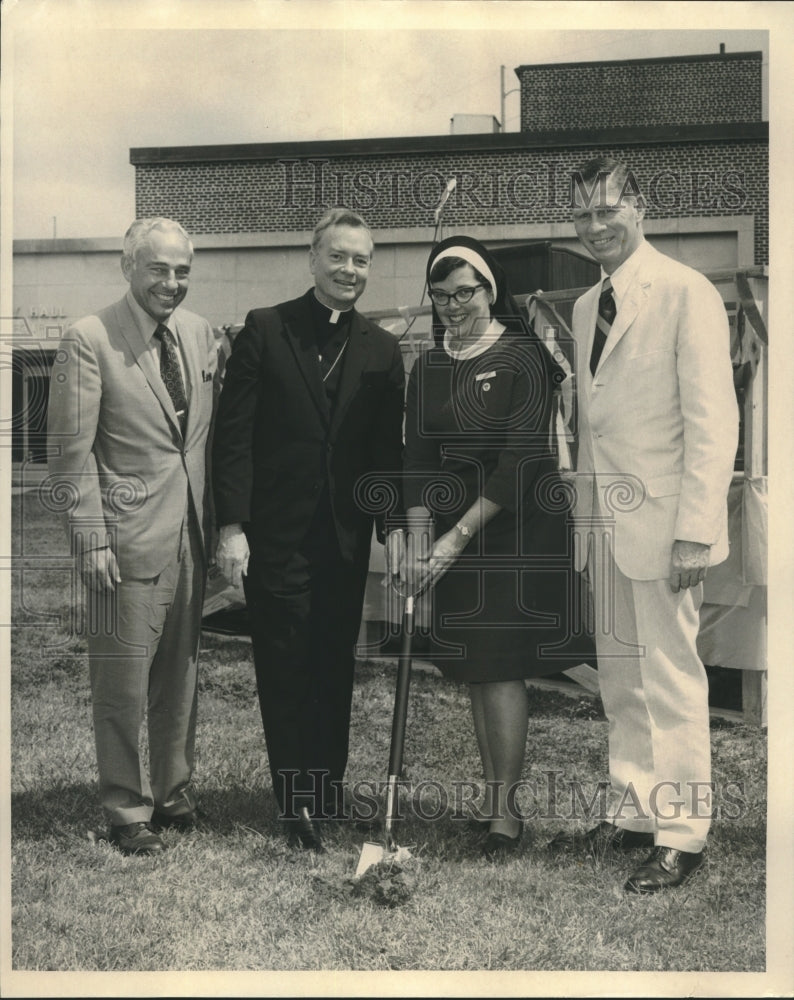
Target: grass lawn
x,y
231,896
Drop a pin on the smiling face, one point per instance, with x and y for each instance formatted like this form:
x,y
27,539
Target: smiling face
x,y
609,227
159,273
468,320
340,264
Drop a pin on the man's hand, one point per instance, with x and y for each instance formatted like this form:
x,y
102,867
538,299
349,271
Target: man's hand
x,y
232,554
395,554
688,564
414,566
99,570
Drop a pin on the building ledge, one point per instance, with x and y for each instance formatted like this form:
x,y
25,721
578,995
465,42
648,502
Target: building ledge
x,y
422,144
708,57
79,244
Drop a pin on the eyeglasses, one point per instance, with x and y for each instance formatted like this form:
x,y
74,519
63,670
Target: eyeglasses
x,y
461,296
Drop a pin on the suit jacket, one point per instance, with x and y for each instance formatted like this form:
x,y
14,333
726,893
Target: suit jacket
x,y
277,445
659,415
120,453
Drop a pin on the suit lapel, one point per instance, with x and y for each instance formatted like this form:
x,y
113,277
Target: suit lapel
x,y
188,346
625,317
353,364
634,301
585,345
300,337
147,359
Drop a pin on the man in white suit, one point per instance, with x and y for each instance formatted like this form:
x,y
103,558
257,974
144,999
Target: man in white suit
x,y
658,427
130,407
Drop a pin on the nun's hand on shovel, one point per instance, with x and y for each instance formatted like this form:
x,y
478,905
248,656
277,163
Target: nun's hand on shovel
x,y
444,553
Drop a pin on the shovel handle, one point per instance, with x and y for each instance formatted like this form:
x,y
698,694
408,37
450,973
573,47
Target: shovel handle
x,y
403,685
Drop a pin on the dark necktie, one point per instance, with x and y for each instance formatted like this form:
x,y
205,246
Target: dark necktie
x,y
171,373
604,321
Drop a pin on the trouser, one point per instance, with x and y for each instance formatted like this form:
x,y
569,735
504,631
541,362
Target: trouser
x,y
303,634
655,693
143,658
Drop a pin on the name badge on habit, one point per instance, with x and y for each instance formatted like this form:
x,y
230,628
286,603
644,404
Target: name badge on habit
x,y
486,386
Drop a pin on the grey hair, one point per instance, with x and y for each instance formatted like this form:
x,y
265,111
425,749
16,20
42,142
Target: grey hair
x,y
138,233
339,217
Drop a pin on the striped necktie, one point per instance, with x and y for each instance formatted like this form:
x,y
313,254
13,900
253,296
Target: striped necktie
x,y
604,321
171,373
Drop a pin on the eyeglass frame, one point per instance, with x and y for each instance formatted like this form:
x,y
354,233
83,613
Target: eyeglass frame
x,y
454,295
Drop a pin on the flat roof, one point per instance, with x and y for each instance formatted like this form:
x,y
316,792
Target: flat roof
x,y
423,144
709,57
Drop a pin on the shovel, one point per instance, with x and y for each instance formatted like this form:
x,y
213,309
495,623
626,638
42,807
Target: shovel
x,y
371,853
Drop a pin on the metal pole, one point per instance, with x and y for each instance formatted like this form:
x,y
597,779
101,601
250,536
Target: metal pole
x,y
502,97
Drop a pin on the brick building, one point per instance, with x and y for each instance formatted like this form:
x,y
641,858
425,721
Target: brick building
x,y
721,88
691,127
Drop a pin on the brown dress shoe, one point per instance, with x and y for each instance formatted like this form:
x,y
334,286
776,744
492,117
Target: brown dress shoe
x,y
664,868
136,838
601,839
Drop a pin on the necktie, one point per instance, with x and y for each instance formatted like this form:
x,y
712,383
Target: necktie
x,y
171,373
604,321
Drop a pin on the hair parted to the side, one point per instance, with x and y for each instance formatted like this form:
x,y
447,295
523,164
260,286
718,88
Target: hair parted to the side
x,y
138,233
616,170
339,216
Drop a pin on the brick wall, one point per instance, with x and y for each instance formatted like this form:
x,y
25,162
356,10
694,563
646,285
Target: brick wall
x,y
678,91
270,192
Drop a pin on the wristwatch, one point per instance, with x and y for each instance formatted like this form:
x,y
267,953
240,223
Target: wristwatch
x,y
466,532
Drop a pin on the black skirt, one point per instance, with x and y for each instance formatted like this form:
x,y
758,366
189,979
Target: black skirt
x,y
510,612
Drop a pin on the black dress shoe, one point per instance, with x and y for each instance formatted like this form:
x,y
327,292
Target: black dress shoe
x,y
305,833
601,839
179,821
136,838
499,845
664,868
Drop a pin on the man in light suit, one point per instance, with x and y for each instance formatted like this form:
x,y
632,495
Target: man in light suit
x,y
130,407
311,406
657,439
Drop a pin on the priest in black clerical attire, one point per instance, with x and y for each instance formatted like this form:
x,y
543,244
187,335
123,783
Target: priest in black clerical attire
x,y
312,403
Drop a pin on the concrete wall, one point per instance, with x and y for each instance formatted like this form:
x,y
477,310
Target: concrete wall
x,y
230,277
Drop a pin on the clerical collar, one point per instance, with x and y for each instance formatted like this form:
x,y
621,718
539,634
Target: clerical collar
x,y
333,316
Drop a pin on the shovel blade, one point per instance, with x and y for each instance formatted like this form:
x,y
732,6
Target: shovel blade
x,y
371,854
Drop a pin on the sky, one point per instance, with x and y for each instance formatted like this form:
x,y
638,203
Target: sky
x,y
90,79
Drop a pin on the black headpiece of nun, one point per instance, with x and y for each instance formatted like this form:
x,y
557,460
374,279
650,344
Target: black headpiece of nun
x,y
471,251
504,308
